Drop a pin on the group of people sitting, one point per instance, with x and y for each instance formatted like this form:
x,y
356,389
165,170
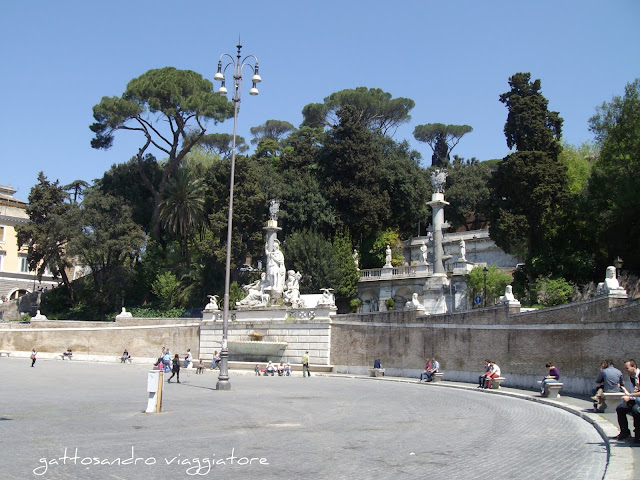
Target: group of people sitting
x,y
430,369
491,370
610,380
283,369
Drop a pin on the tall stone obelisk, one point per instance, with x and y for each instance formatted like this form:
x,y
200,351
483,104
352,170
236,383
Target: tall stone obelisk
x,y
433,292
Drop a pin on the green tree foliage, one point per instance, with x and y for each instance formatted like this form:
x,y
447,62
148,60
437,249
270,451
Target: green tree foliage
x,y
529,189
372,107
613,188
348,276
161,104
301,149
110,244
442,139
349,168
123,180
375,253
49,230
552,291
530,125
166,287
303,205
275,130
497,280
313,255
579,162
407,185
76,188
221,143
467,192
182,210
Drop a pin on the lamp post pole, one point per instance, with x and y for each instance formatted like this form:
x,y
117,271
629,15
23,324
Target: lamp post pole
x,y
484,293
238,65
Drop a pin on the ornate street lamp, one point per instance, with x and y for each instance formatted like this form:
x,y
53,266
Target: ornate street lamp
x,y
238,65
618,264
484,294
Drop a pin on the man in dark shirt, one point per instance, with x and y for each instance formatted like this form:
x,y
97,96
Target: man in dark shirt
x,y
625,408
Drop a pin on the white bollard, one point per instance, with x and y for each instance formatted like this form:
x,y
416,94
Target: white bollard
x,y
154,387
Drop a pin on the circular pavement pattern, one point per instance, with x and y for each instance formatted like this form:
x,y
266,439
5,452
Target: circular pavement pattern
x,y
277,428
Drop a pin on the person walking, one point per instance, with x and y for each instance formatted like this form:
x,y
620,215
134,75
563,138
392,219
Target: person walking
x,y
33,356
305,364
175,369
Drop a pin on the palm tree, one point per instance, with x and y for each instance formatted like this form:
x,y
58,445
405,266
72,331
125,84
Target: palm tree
x,y
183,206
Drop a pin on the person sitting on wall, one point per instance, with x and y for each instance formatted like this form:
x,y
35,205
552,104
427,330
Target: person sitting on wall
x,y
433,370
427,367
270,370
215,361
494,372
553,377
281,369
200,369
482,378
125,356
627,406
68,354
378,365
287,369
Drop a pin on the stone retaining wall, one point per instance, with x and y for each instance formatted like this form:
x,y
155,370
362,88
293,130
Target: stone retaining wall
x,y
576,337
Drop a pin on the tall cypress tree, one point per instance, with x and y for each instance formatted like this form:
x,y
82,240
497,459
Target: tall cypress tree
x,y
529,188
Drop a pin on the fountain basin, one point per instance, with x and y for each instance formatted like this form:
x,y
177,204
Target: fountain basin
x,y
249,350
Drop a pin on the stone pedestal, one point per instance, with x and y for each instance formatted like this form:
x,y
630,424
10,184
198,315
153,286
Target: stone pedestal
x,y
434,295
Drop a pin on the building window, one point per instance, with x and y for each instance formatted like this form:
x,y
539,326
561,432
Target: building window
x,y
24,264
1,234
1,259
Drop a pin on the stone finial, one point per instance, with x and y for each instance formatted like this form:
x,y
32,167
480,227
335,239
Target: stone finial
x,y
124,313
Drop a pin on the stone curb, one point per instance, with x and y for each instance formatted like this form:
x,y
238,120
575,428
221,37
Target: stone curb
x,y
619,460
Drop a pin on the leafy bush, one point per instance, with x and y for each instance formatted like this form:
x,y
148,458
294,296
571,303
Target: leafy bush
x,y
166,288
552,291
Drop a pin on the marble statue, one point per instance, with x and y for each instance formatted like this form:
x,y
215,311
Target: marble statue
x,y
610,284
508,295
275,267
388,256
255,293
213,303
327,299
124,313
438,180
292,293
356,259
414,303
425,253
463,250
274,208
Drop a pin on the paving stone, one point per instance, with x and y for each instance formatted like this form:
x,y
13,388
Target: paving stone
x,y
305,428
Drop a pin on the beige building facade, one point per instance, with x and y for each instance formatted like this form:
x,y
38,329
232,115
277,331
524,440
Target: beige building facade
x,y
15,277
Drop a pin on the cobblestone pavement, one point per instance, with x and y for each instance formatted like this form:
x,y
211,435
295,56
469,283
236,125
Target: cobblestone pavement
x,y
302,428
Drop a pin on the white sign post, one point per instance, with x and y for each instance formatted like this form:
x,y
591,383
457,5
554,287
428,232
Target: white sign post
x,y
154,387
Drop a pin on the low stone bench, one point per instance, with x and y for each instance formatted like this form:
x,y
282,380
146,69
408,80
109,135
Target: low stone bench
x,y
376,372
552,390
602,406
4,353
437,377
496,382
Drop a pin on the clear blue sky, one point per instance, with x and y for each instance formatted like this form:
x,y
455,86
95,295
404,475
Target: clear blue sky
x,y
452,58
